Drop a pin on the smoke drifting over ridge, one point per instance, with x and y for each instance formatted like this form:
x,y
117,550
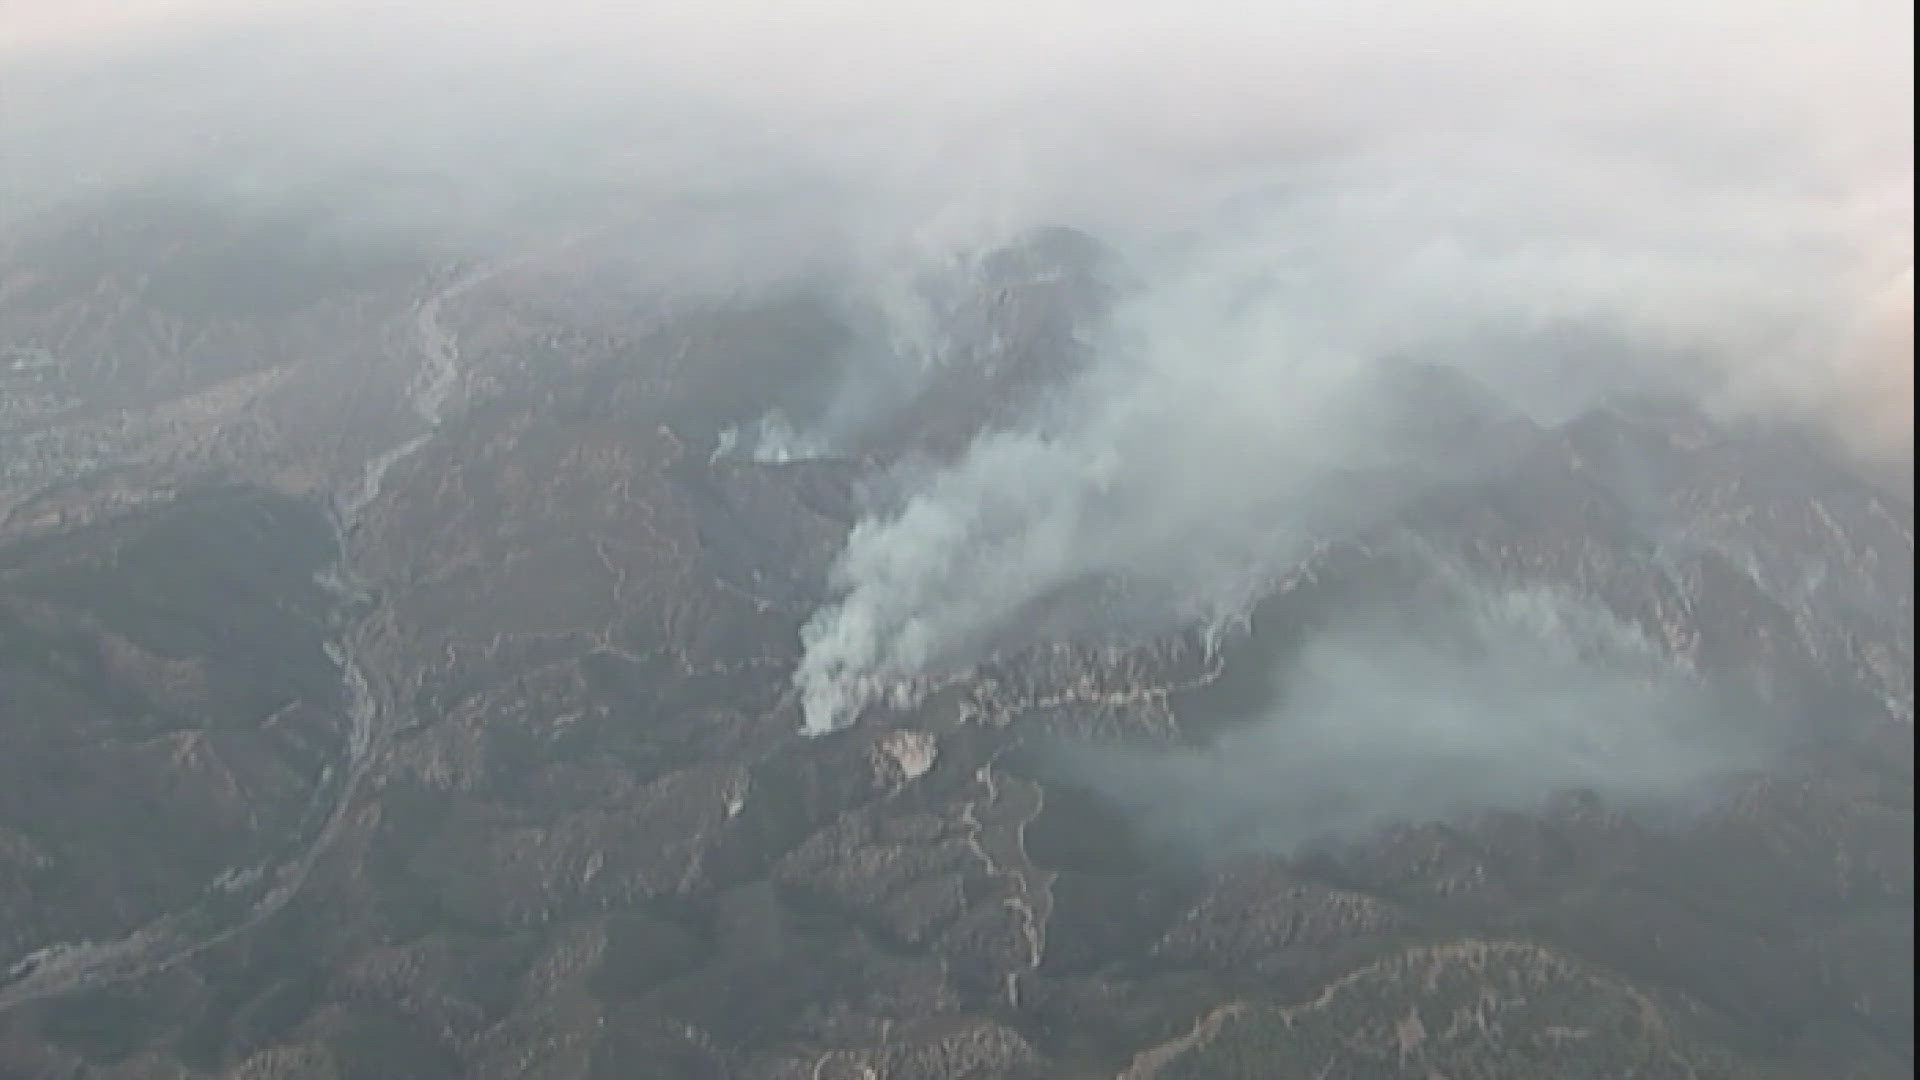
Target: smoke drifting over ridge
x,y
1226,425
1499,698
1722,189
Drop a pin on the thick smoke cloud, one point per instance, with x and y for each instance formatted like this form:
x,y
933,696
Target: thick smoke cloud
x,y
1721,189
1228,423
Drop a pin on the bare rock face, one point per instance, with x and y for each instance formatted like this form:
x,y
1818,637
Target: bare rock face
x,y
464,744
906,756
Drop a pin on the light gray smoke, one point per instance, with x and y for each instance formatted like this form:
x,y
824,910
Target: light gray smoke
x,y
1473,698
1227,418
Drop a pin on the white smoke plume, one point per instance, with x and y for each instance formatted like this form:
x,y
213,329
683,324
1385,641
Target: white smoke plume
x,y
1226,422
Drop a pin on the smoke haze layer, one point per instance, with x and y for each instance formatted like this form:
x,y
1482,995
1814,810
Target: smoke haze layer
x,y
1719,191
